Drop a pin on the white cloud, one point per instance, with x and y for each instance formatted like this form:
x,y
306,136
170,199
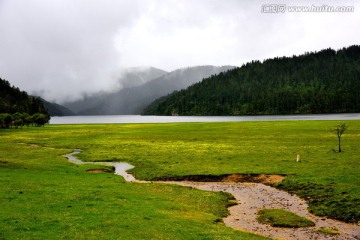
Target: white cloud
x,y
64,48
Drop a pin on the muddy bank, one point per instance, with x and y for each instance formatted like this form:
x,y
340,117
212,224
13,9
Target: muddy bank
x,y
235,178
251,195
99,170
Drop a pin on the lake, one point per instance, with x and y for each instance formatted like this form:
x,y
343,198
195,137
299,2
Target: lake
x,y
170,119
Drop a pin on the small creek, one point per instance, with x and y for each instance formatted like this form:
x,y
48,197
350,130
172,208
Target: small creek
x,y
252,197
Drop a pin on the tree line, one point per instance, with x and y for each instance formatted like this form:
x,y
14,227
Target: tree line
x,y
315,82
18,120
18,109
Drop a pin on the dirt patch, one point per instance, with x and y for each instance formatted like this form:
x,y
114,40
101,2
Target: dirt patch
x,y
256,178
268,179
99,170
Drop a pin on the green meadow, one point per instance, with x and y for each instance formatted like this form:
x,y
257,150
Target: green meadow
x,y
45,197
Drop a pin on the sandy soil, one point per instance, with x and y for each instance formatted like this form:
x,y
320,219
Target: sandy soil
x,y
252,197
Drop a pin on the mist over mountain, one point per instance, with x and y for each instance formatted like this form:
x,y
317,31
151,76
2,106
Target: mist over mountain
x,y
135,76
130,77
132,100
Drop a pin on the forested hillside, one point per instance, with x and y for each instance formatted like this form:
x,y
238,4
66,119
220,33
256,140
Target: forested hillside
x,y
13,100
17,108
327,81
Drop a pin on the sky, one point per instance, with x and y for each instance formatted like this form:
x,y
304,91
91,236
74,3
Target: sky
x,y
63,49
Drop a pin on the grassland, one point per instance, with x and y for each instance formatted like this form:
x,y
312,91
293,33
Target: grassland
x,y
44,196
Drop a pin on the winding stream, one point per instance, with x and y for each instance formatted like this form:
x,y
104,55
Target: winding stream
x,y
252,197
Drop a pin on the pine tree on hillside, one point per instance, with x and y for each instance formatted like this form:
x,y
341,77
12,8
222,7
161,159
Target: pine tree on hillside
x,y
17,108
315,82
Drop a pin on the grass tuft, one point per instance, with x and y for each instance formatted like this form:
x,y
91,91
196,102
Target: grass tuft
x,y
283,218
331,231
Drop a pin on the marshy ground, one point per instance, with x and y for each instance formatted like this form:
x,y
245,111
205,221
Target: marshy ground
x,y
252,195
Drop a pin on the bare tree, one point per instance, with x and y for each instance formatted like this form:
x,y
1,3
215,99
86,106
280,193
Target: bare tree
x,y
339,130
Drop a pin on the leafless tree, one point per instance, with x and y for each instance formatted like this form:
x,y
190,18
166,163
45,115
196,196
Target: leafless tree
x,y
339,130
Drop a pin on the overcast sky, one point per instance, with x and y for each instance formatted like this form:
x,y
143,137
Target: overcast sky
x,y
63,48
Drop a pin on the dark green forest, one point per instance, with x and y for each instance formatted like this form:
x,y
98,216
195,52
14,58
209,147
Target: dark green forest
x,y
327,81
17,108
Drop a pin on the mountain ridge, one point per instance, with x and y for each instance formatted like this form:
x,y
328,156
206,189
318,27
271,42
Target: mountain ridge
x,y
315,82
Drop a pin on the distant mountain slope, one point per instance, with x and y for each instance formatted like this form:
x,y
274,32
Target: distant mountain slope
x,y
321,82
13,100
55,109
133,100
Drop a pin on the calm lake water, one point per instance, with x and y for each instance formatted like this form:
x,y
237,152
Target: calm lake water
x,y
169,119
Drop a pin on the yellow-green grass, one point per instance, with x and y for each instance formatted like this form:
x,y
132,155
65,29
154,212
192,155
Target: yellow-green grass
x,y
330,231
176,149
42,196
